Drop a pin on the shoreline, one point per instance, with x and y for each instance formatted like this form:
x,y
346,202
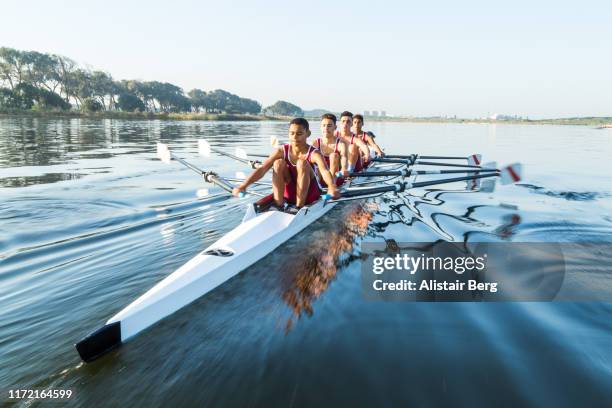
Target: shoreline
x,y
140,116
597,122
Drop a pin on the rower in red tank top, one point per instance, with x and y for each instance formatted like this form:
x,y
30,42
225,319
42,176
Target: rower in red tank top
x,y
366,137
359,153
317,144
290,193
333,159
293,178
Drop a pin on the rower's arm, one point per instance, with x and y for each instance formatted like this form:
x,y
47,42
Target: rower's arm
x,y
343,158
258,173
372,143
327,176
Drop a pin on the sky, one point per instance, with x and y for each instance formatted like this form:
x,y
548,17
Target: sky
x,y
535,59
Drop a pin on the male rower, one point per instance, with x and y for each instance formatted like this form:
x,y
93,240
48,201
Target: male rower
x,y
333,149
293,178
366,137
359,153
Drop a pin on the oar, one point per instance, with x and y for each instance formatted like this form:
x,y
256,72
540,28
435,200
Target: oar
x,y
508,174
473,159
205,150
410,172
166,156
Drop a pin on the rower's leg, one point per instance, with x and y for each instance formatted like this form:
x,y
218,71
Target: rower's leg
x,y
304,174
280,178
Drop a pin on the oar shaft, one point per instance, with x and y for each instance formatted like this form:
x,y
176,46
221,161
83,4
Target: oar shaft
x,y
425,163
253,163
418,156
407,173
452,180
454,171
187,164
373,190
389,160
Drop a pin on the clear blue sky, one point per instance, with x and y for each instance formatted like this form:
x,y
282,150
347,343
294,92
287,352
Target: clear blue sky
x,y
465,58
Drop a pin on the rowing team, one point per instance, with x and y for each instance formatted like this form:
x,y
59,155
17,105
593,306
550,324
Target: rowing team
x,y
300,169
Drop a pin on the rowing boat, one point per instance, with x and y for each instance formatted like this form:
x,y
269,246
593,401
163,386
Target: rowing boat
x,y
261,231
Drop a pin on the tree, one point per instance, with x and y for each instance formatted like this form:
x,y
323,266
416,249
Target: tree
x,y
130,103
283,108
92,105
199,100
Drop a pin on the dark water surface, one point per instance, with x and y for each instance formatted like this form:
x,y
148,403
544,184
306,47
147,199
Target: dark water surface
x,y
90,219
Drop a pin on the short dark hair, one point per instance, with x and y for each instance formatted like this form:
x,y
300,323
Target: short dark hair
x,y
346,113
360,117
329,116
300,122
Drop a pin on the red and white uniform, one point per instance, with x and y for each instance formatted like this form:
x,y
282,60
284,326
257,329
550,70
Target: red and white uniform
x,y
317,143
359,165
314,192
326,158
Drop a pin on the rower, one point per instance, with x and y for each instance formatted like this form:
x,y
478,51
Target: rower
x,y
293,178
366,137
333,149
359,153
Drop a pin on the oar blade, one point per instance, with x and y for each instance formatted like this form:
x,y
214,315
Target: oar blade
x,y
163,153
204,148
511,174
474,159
488,185
242,153
274,142
490,165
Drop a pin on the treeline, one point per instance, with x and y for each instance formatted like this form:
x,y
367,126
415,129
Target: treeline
x,y
34,80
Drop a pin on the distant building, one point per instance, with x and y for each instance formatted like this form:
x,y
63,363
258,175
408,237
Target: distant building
x,y
383,114
498,116
375,113
366,113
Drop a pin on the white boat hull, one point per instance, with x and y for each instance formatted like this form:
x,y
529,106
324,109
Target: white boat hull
x,y
257,236
249,242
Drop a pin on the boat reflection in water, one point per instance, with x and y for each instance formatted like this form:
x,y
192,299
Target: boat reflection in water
x,y
314,266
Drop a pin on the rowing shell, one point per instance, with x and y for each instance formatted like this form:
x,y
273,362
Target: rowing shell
x,y
257,236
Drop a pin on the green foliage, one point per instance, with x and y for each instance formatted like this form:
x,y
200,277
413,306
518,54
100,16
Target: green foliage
x,y
12,100
34,79
283,108
130,103
91,105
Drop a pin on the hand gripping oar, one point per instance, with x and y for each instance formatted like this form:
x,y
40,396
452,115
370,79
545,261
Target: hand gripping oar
x,y
205,150
166,156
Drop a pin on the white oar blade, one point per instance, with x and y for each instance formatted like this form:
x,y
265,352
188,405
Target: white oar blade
x,y
474,159
204,148
240,175
511,174
488,185
163,153
242,153
274,142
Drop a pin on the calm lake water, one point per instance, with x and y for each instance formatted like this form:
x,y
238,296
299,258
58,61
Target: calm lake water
x,y
90,219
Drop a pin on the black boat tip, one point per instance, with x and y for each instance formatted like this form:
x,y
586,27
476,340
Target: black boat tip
x,y
99,342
